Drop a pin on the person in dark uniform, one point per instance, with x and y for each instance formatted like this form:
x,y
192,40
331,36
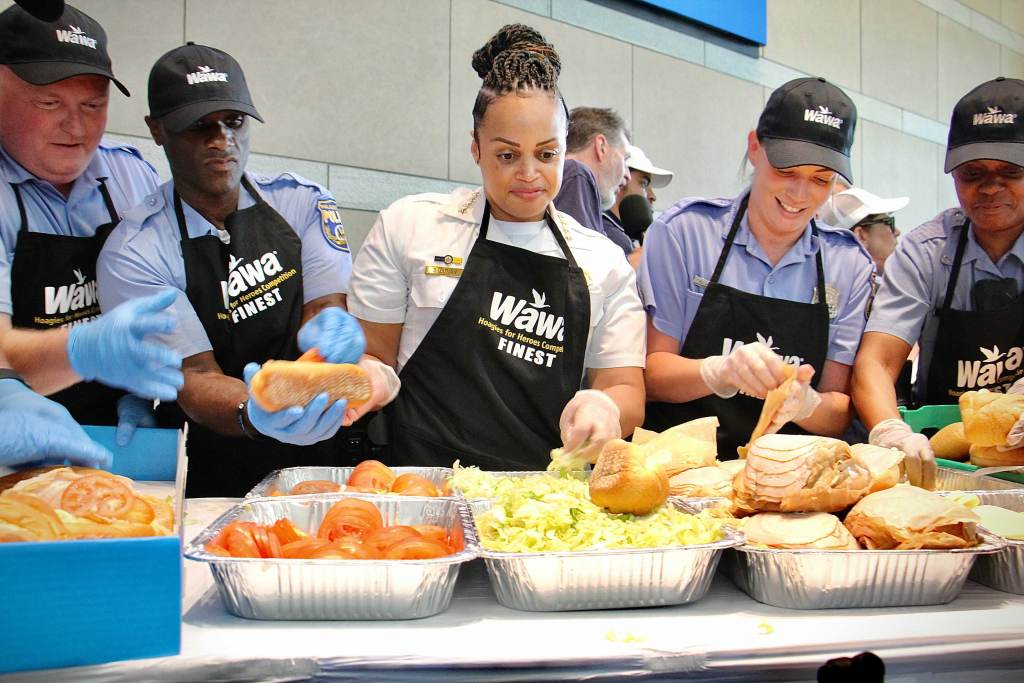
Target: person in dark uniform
x,y
260,266
597,150
62,188
955,284
737,287
496,308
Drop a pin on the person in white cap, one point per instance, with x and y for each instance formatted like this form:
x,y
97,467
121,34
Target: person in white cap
x,y
644,177
870,217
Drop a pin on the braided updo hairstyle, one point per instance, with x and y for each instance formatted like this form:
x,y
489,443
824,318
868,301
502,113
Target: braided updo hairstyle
x,y
516,59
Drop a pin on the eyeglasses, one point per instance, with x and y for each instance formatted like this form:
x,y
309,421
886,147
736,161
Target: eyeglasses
x,y
889,221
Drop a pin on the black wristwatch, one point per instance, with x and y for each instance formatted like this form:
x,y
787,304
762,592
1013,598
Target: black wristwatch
x,y
7,373
242,415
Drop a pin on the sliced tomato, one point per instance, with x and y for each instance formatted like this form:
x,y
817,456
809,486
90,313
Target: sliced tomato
x,y
372,474
354,547
414,485
315,486
240,542
311,356
302,549
217,549
341,526
432,531
163,513
456,539
140,512
266,542
287,532
416,548
382,539
97,494
358,506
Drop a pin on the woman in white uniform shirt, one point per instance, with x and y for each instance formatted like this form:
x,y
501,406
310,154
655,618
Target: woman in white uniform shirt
x,y
494,306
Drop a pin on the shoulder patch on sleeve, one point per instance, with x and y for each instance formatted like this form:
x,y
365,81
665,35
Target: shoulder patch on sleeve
x,y
330,224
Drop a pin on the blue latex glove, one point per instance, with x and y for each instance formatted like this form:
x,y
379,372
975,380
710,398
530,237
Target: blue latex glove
x,y
113,348
132,412
335,334
34,429
300,426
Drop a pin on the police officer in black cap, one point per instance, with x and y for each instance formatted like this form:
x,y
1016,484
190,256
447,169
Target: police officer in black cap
x,y
261,267
954,283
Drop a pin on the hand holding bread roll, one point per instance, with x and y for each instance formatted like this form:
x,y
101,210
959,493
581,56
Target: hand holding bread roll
x,y
280,384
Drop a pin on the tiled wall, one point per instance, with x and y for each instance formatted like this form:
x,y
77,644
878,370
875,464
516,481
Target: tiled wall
x,y
373,98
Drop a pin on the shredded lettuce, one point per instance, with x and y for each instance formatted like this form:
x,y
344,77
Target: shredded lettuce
x,y
545,513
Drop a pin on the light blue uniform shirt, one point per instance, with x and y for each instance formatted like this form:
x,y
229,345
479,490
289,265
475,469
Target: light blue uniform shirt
x,y
682,247
143,255
129,179
916,275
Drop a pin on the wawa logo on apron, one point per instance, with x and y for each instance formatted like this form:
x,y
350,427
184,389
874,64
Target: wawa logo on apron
x,y
999,366
73,304
253,287
730,345
525,330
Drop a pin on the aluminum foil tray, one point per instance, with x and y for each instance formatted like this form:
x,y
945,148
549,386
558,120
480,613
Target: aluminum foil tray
x,y
336,589
829,579
1004,570
284,480
601,579
948,479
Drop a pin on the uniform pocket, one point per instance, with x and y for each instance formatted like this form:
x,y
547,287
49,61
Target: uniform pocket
x,y
431,291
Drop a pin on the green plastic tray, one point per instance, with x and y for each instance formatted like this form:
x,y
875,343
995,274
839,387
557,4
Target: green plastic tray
x,y
937,417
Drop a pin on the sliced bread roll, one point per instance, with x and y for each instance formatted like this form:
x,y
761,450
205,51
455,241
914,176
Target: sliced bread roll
x,y
991,456
907,517
988,416
280,384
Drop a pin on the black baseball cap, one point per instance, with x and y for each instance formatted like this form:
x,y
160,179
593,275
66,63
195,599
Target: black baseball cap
x,y
192,81
44,52
987,123
809,122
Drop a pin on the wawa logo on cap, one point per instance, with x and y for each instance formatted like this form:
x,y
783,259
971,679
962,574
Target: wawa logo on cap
x,y
824,116
994,116
205,74
75,35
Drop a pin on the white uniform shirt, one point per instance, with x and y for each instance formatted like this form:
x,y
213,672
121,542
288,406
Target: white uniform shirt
x,y
389,284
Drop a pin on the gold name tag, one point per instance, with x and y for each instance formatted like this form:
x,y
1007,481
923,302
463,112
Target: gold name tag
x,y
442,270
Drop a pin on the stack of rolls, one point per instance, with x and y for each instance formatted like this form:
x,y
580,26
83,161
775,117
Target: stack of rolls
x,y
987,418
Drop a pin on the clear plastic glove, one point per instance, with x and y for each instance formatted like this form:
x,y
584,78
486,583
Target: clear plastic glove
x,y
301,426
753,369
801,402
34,429
113,349
919,460
335,334
132,412
384,385
590,416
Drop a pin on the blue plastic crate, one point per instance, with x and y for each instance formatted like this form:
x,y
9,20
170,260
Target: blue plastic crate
x,y
72,603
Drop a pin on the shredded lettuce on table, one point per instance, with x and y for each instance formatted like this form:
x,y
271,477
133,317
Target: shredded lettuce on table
x,y
545,513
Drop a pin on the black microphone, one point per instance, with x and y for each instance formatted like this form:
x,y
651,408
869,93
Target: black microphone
x,y
44,10
635,215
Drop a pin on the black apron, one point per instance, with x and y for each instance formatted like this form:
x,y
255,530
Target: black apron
x,y
248,296
53,284
974,349
727,316
487,384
